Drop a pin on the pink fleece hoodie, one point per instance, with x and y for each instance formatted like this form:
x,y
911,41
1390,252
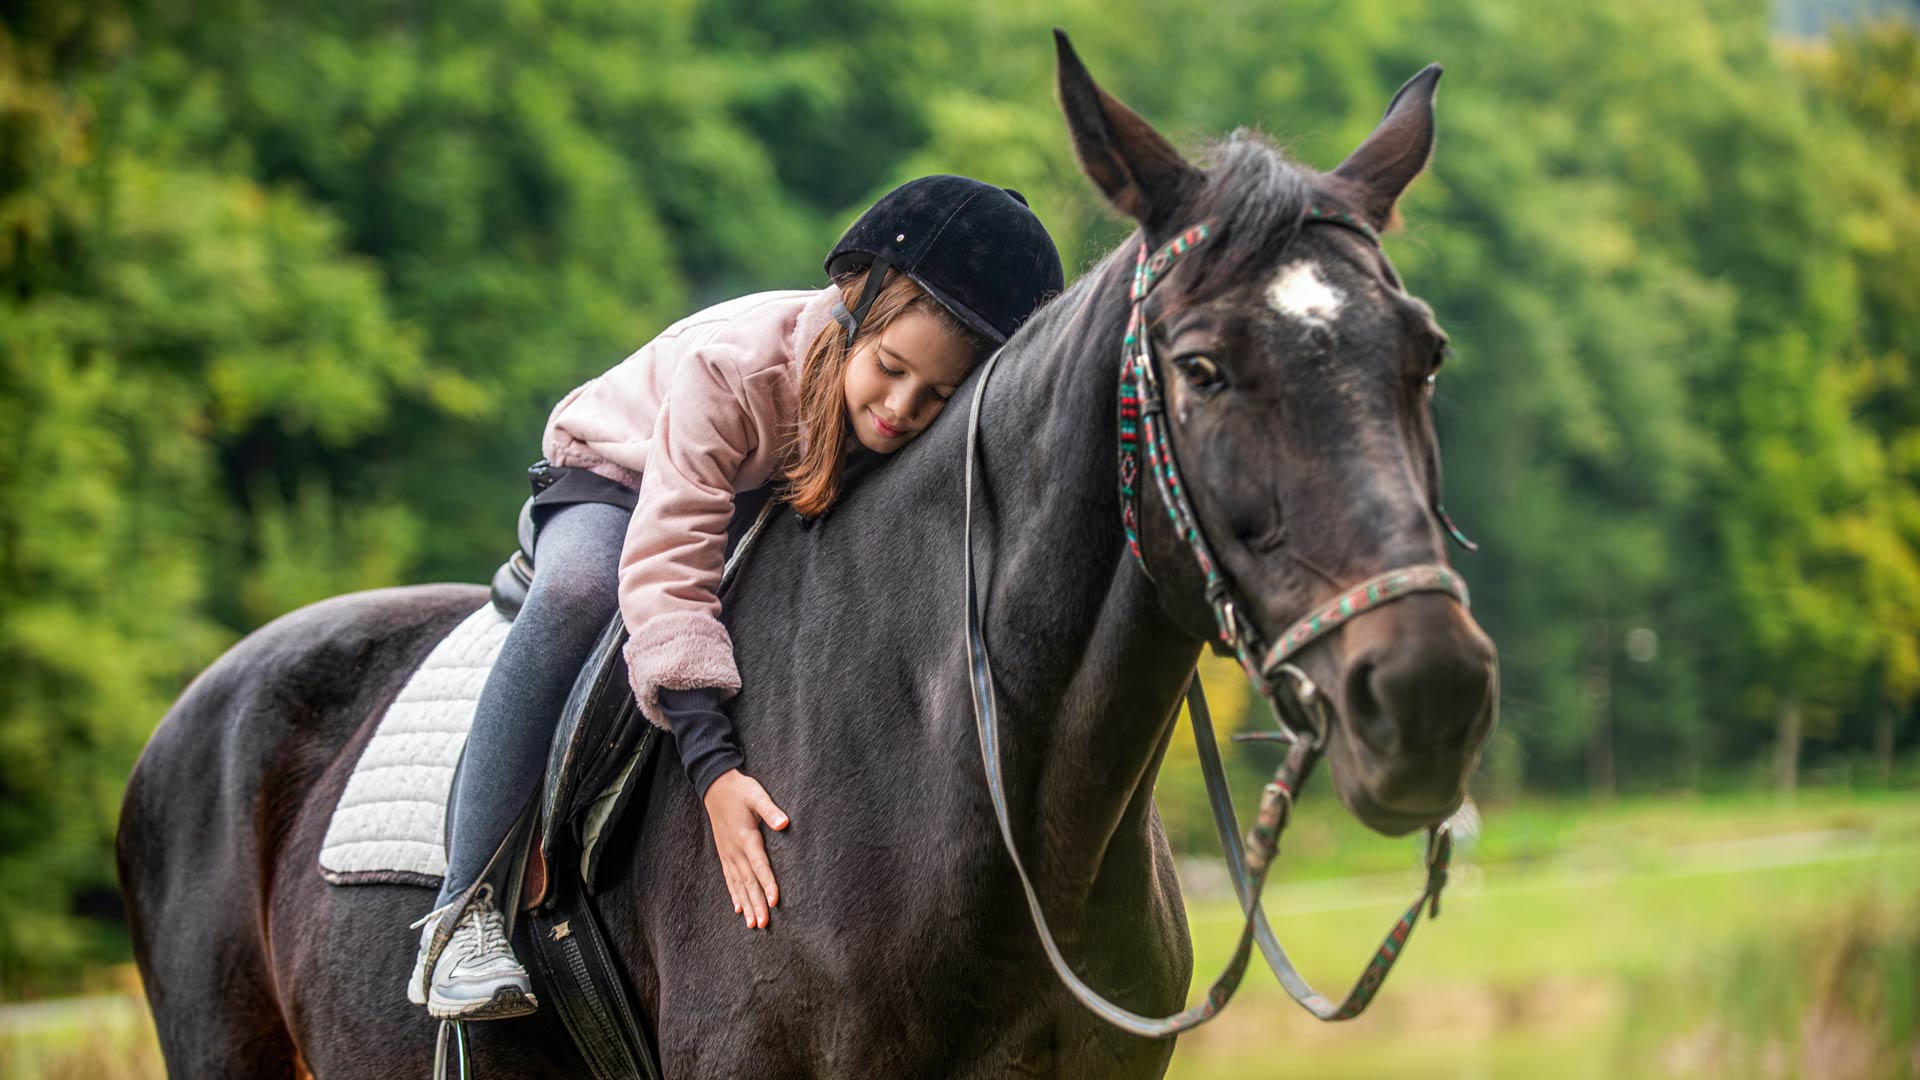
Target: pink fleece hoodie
x,y
694,416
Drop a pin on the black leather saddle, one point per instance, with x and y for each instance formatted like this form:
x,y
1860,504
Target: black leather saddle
x,y
601,750
515,576
600,732
602,740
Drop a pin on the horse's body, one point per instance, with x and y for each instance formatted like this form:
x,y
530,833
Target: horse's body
x,y
901,946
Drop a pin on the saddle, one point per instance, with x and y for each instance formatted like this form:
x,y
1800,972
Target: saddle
x,y
600,736
601,739
601,749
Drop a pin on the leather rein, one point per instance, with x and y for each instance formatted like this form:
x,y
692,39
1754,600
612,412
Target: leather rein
x,y
1302,713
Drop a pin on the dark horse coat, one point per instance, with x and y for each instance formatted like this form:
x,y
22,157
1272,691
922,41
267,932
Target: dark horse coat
x,y
901,946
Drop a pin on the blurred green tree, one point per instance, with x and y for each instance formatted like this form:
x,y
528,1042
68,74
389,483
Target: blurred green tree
x,y
290,291
152,307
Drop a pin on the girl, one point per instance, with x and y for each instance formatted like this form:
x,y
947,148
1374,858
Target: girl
x,y
633,501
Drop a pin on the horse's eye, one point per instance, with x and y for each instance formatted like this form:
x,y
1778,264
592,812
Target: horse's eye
x,y
1200,371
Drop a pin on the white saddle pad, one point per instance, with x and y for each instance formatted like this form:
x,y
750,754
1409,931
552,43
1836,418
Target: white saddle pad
x,y
389,825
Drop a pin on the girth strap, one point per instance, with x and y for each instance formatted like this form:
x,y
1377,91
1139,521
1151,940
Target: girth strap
x,y
583,981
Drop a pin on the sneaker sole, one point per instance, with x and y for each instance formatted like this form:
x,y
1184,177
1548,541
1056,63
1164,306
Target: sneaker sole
x,y
506,1001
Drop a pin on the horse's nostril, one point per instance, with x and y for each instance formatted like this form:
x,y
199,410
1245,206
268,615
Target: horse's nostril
x,y
1425,696
1366,715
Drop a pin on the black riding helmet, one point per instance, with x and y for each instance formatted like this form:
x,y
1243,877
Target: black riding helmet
x,y
974,247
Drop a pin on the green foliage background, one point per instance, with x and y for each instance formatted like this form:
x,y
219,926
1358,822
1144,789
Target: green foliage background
x,y
289,289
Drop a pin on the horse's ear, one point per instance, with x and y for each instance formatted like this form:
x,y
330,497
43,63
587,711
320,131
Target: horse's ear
x,y
1397,150
1141,173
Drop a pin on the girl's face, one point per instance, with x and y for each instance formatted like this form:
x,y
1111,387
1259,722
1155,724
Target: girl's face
x,y
898,380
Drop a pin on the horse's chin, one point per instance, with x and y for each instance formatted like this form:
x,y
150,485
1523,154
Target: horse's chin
x,y
1396,801
1388,820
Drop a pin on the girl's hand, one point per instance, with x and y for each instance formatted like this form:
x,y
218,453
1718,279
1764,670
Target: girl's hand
x,y
736,805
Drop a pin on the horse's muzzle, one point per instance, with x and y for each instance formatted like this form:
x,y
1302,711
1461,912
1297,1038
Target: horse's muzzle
x,y
1417,699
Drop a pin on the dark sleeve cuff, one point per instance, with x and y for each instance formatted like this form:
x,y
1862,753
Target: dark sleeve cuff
x,y
703,733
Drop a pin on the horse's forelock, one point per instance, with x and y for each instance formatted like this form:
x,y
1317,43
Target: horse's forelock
x,y
1257,200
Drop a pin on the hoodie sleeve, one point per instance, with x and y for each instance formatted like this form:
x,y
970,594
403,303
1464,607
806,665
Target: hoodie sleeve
x,y
671,562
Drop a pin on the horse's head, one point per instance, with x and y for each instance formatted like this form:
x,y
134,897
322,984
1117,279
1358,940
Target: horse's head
x,y
1298,375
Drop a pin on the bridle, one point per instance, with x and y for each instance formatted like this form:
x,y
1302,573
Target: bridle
x,y
1303,716
1143,420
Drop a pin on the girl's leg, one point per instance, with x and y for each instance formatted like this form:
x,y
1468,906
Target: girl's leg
x,y
572,596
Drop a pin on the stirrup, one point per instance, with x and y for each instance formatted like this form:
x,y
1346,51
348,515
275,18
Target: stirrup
x,y
457,1065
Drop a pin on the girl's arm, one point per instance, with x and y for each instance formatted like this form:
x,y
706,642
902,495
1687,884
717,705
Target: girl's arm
x,y
670,569
704,734
671,561
736,803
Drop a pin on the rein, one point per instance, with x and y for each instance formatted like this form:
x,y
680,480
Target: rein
x,y
1302,714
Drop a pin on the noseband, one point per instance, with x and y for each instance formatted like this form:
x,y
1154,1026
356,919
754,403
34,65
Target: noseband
x,y
1303,716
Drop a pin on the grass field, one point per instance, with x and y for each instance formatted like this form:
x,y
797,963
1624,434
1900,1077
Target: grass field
x,y
1661,938
1673,937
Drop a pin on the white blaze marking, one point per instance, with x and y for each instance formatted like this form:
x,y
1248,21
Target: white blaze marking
x,y
1298,291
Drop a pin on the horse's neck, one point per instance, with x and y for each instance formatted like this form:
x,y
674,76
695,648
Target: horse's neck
x,y
1088,668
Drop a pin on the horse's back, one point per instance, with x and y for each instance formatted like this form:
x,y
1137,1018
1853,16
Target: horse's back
x,y
279,705
221,792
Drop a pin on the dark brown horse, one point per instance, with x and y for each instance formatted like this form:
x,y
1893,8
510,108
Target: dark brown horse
x,y
1296,372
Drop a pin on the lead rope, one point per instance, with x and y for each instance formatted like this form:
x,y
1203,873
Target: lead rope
x,y
1276,808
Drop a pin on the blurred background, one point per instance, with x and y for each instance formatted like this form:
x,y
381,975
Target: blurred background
x,y
289,290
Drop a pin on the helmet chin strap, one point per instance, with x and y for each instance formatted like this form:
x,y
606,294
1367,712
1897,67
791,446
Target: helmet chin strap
x,y
876,278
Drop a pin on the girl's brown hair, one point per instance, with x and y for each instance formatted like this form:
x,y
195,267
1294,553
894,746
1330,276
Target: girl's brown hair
x,y
813,472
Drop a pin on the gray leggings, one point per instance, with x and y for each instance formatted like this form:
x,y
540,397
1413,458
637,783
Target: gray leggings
x,y
572,598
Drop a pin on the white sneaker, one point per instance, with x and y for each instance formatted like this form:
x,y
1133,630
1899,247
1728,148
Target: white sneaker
x,y
476,976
